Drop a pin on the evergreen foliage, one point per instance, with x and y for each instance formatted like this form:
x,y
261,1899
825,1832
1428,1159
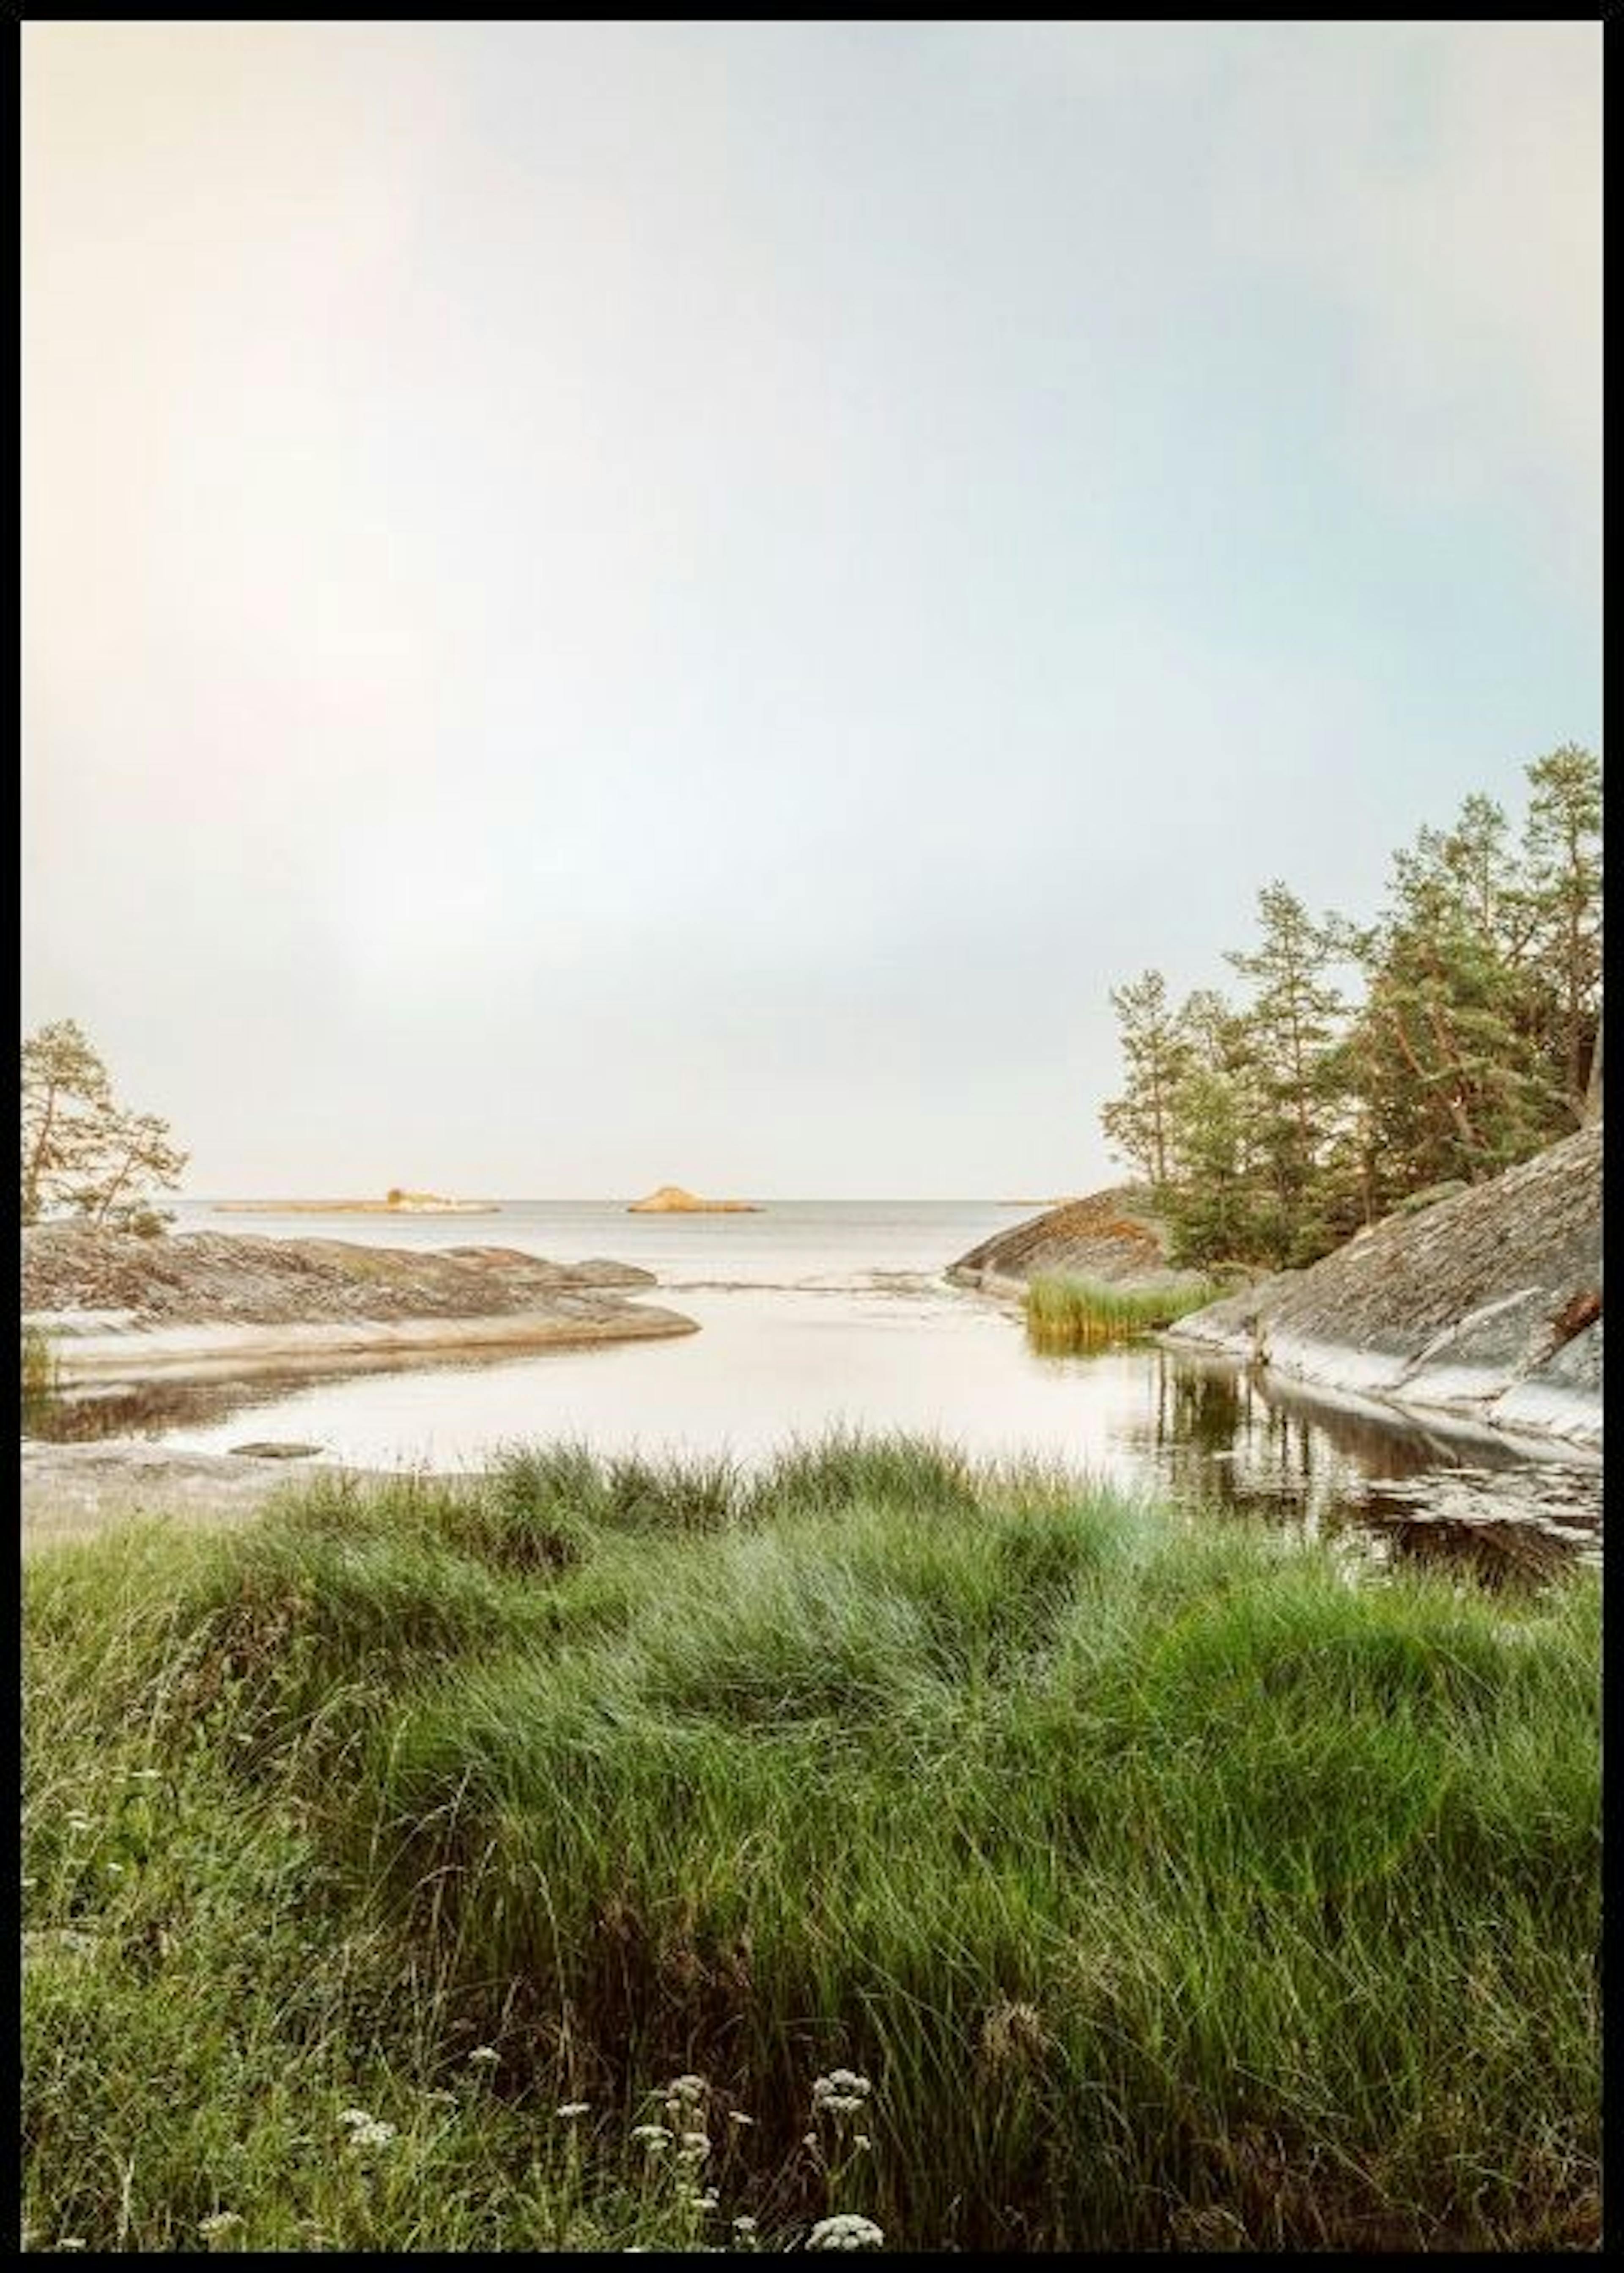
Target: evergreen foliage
x,y
1273,1128
82,1152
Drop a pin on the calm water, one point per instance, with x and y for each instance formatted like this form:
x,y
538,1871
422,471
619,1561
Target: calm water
x,y
818,1313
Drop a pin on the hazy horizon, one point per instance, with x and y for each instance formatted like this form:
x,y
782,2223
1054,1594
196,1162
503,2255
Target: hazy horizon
x,y
195,1198
617,604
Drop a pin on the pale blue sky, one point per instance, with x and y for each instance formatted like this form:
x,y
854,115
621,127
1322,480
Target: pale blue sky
x,y
606,605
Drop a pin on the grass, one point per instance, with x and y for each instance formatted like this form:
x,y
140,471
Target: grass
x,y
1064,1313
1165,1887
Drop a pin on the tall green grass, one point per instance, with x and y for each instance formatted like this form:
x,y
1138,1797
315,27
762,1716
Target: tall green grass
x,y
1166,1889
1064,1313
42,1374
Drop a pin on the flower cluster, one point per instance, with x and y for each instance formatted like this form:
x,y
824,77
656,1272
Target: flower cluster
x,y
840,2093
366,2130
846,2233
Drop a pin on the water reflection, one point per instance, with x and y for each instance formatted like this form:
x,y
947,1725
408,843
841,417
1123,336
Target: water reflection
x,y
1388,1488
160,1406
1398,1488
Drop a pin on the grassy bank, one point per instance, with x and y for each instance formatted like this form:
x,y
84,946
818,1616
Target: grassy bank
x,y
1066,1313
1157,1886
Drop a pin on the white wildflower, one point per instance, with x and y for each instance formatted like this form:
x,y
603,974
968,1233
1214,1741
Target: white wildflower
x,y
687,2087
355,2115
847,2232
484,2056
862,2143
737,2115
652,2136
744,2225
219,2221
841,2092
572,2108
371,2133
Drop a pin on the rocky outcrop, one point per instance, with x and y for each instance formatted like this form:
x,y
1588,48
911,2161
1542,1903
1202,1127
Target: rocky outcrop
x,y
1487,1304
1112,1236
670,1199
73,1492
112,1301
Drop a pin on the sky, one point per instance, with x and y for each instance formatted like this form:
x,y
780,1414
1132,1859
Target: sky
x,y
606,605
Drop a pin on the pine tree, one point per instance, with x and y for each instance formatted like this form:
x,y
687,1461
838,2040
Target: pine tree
x,y
1452,1082
81,1151
67,1099
1217,1202
1154,1049
1562,861
1295,1019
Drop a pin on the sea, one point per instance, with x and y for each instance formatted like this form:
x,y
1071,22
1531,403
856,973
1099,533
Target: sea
x,y
821,1315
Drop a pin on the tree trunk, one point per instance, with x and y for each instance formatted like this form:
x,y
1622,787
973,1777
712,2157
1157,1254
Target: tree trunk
x,y
1592,1088
36,1162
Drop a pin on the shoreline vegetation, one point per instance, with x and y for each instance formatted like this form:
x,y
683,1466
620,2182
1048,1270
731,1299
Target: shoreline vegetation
x,y
1066,1313
1480,1299
602,1853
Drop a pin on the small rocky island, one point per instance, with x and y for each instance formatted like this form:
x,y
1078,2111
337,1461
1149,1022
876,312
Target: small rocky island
x,y
222,1302
670,1199
394,1202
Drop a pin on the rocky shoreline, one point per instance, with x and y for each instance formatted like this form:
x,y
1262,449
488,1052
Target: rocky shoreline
x,y
1113,1236
214,1303
73,1492
1487,1304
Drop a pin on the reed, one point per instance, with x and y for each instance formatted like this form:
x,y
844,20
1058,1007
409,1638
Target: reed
x,y
42,1374
1064,1313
